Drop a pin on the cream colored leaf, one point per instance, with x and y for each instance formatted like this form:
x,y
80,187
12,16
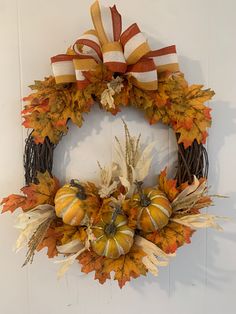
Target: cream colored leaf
x,y
66,263
113,87
28,222
200,221
71,247
188,190
155,256
107,187
189,196
124,181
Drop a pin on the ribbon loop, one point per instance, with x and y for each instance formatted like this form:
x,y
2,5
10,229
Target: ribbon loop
x,y
108,24
88,51
135,44
88,45
113,57
63,68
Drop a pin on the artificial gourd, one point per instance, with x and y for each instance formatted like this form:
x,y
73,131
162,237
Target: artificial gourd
x,y
154,209
113,237
74,201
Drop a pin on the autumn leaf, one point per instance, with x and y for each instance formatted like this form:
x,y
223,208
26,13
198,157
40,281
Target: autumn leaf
x,y
50,241
182,107
12,202
46,110
198,202
35,194
100,75
168,186
90,261
41,193
125,267
49,108
82,102
171,237
131,211
70,233
142,99
123,98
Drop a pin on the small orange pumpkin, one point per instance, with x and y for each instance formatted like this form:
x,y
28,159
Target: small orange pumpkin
x,y
74,201
113,237
154,209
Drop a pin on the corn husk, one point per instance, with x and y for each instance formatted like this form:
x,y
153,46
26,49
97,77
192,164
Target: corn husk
x,y
29,222
74,249
200,221
155,256
108,184
141,169
71,247
189,197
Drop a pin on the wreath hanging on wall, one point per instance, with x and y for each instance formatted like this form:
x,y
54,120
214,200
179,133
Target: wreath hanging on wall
x,y
119,226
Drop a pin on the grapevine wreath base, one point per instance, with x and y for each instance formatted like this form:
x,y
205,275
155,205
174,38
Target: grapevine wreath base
x,y
119,226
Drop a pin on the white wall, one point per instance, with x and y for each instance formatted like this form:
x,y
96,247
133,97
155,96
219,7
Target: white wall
x,y
202,278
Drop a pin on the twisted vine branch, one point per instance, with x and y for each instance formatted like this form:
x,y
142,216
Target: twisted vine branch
x,y
37,158
191,161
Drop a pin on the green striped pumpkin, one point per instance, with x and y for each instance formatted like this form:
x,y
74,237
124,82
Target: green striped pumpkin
x,y
154,213
112,239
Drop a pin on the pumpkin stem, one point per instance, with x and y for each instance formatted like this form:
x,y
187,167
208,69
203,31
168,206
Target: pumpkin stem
x,y
110,229
145,201
81,191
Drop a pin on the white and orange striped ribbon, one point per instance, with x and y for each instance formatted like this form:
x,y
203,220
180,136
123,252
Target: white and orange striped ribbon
x,y
88,45
165,59
88,49
108,25
126,52
63,68
134,43
144,74
83,64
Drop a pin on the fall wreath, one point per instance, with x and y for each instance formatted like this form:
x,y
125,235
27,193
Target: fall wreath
x,y
119,226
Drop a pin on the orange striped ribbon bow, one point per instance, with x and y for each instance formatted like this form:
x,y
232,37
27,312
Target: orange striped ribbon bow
x,y
127,53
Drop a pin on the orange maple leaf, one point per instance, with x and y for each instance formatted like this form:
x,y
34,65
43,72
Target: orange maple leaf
x,y
48,109
35,194
50,241
171,237
168,186
182,107
125,267
90,261
12,202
